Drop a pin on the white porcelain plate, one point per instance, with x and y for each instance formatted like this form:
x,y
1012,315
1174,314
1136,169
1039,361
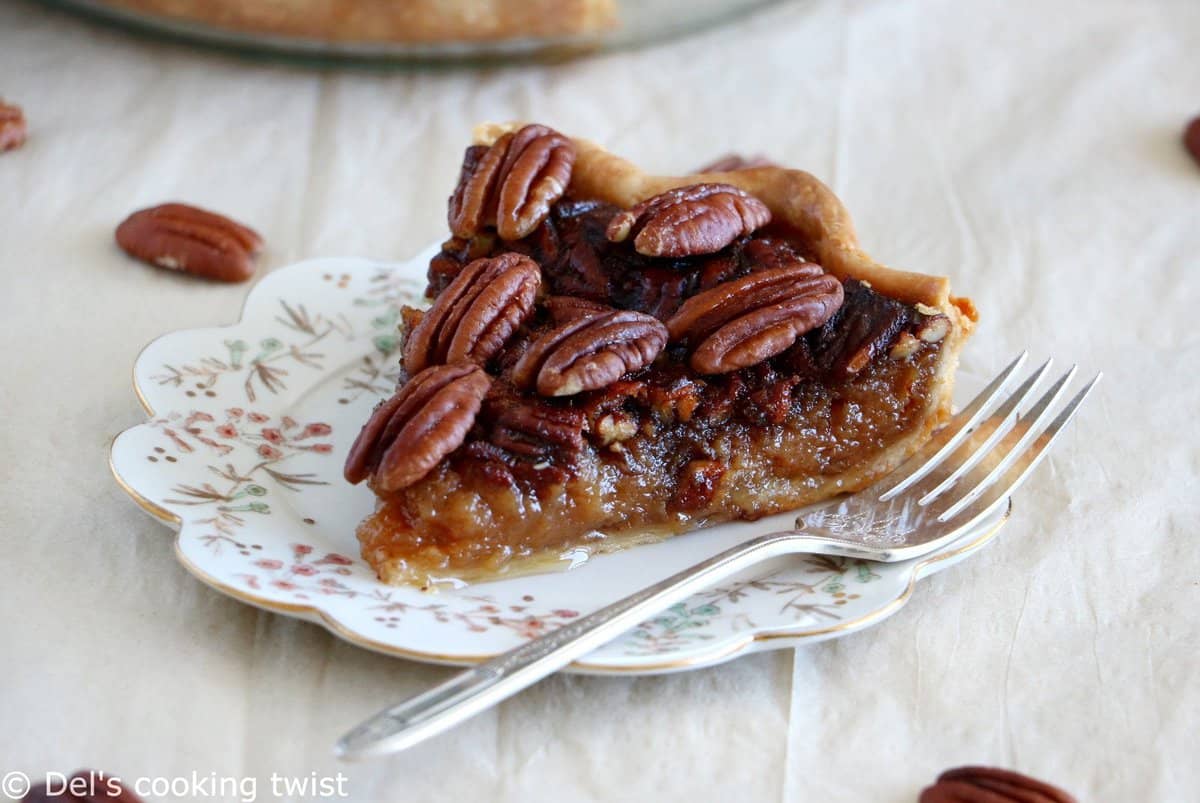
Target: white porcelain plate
x,y
249,425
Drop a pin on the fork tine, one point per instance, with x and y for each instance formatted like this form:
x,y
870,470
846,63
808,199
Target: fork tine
x,y
952,435
1003,419
1029,449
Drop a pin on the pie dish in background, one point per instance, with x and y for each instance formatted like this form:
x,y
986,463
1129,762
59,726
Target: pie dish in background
x,y
612,358
418,29
412,21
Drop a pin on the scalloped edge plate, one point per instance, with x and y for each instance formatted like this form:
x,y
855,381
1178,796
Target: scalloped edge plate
x,y
242,453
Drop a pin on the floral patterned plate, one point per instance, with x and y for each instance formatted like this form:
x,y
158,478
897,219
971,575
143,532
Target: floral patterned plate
x,y
242,454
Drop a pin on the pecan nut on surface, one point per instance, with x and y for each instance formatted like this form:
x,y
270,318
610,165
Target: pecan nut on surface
x,y
472,319
512,184
990,785
590,351
408,434
745,321
13,129
688,221
192,240
1191,139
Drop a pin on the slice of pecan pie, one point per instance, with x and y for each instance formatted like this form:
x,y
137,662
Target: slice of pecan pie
x,y
611,356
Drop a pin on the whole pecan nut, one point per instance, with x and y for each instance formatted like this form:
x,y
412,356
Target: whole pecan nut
x,y
476,314
13,129
991,785
534,428
589,352
568,308
512,184
745,321
1191,139
698,219
408,434
186,238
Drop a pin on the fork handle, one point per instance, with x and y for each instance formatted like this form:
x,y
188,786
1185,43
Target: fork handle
x,y
476,689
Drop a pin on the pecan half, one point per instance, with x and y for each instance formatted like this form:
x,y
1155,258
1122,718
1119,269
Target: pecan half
x,y
13,129
408,434
186,238
989,785
699,219
866,325
512,184
745,321
589,352
453,257
568,308
1191,139
476,314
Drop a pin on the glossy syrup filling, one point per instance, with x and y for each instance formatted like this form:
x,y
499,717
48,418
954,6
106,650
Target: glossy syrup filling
x,y
662,450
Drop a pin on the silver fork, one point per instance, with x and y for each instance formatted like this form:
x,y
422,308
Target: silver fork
x,y
961,476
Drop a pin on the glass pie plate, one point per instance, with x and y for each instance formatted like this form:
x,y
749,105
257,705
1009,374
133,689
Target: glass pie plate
x,y
249,424
418,30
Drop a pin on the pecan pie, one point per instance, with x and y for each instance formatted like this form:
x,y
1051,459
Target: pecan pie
x,y
611,356
374,21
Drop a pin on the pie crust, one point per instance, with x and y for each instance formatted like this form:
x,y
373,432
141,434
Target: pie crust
x,y
382,21
838,435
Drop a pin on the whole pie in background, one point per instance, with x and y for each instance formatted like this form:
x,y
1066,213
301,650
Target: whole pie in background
x,y
400,21
612,357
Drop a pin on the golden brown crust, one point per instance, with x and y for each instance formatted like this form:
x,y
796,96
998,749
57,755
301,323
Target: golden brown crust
x,y
410,21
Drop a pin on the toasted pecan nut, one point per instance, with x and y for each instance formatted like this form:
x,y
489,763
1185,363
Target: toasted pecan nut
x,y
687,221
933,329
1191,139
476,314
905,346
568,308
512,184
589,352
745,321
185,238
533,427
990,785
13,129
425,420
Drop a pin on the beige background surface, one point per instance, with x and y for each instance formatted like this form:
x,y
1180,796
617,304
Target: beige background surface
x,y
1028,149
